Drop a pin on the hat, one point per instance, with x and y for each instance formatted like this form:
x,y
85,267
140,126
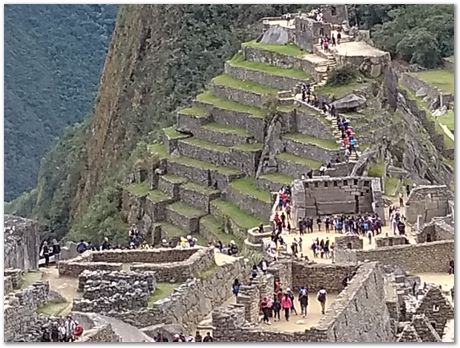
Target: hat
x,y
164,241
288,289
176,336
232,242
189,237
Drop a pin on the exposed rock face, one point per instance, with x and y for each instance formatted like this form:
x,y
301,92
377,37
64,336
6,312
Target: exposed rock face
x,y
275,36
349,102
22,242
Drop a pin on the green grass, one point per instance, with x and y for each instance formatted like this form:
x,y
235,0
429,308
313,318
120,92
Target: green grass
x,y
278,178
143,190
377,169
248,186
288,49
238,61
286,108
447,119
206,145
157,196
199,188
339,91
228,81
249,147
307,162
171,231
391,184
175,179
159,150
195,112
206,273
240,217
52,308
162,290
226,104
172,133
222,128
29,278
204,165
186,210
216,228
441,78
307,139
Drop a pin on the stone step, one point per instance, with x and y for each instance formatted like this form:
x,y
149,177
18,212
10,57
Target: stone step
x,y
274,181
198,196
222,134
202,172
294,166
191,118
184,216
241,91
169,184
264,74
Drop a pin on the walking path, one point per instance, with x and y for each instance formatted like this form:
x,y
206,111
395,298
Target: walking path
x,y
65,286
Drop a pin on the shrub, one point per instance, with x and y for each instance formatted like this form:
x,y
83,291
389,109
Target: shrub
x,y
342,75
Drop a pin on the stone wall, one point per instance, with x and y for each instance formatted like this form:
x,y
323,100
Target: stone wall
x,y
310,122
178,272
317,275
437,229
158,255
239,95
198,198
348,242
12,279
310,150
381,241
103,334
429,202
414,258
250,204
74,268
22,238
420,87
20,311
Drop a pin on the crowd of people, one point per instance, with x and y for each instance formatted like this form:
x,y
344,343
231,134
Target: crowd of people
x,y
62,330
180,337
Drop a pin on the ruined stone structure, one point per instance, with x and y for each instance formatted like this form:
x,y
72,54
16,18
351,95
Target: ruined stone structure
x,y
427,202
440,228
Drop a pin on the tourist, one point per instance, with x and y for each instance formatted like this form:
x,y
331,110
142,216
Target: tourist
x,y
401,200
208,338
232,248
264,266
46,337
160,338
345,281
78,331
286,304
407,190
176,338
198,337
264,305
310,225
81,247
318,222
451,266
54,332
236,287
339,37
303,299
56,251
322,294
327,223
332,252
452,293
333,39
164,244
261,228
291,296
276,307
106,245
326,247
69,329
300,244
46,253
254,272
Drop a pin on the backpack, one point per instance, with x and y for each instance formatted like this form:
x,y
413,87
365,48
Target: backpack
x,y
303,292
322,297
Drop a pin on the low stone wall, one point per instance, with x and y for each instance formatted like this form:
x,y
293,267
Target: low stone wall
x,y
187,123
185,223
310,151
12,279
250,204
262,78
130,277
386,241
200,199
308,122
348,242
73,269
170,188
103,334
20,309
191,302
221,138
317,275
414,258
414,84
429,202
438,229
178,272
158,255
240,96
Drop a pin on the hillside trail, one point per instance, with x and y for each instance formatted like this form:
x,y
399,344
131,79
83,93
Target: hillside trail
x,y
65,286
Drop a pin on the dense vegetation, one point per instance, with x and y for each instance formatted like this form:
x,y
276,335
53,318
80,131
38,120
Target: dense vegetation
x,y
53,58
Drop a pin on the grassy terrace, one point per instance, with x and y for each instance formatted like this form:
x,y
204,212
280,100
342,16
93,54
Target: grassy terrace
x,y
391,185
278,178
162,290
143,189
240,217
288,49
195,111
441,78
222,128
206,145
159,150
172,133
52,308
339,91
448,119
215,227
247,186
199,188
204,165
174,179
238,61
173,231
226,104
307,162
228,81
186,210
307,139
377,169
29,278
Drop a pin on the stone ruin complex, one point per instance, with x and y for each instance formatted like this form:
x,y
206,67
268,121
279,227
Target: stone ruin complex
x,y
215,176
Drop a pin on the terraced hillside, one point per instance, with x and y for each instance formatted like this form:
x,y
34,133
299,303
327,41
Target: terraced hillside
x,y
210,158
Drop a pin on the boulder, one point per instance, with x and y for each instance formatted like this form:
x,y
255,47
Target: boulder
x,y
349,103
275,35
421,92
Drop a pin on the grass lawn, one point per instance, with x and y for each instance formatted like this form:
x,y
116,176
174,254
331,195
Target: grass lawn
x,y
307,139
238,61
216,228
222,128
307,162
195,111
143,189
199,188
159,150
240,217
377,169
204,165
172,133
339,91
29,278
288,49
162,290
186,210
228,81
278,178
247,186
448,119
206,145
441,78
206,273
175,179
52,308
391,184
226,104
286,108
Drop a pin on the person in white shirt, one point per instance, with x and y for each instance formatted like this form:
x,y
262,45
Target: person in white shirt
x,y
322,295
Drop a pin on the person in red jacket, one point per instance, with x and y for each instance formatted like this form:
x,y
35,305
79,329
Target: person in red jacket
x,y
78,331
286,304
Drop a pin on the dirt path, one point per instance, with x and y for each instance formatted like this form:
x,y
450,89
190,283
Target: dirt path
x,y
65,286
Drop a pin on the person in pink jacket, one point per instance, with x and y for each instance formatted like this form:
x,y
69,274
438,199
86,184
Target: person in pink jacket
x,y
286,304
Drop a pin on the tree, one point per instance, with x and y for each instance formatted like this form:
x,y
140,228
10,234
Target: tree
x,y
420,47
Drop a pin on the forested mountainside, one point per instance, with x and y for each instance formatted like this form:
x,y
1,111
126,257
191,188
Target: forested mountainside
x,y
53,58
148,74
